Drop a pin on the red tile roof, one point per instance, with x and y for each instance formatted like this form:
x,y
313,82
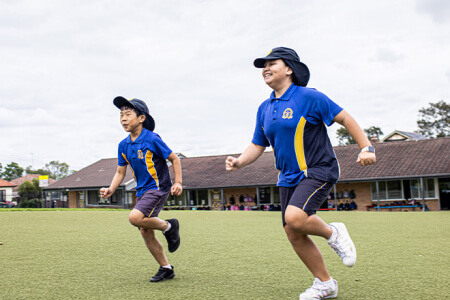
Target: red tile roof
x,y
4,183
29,177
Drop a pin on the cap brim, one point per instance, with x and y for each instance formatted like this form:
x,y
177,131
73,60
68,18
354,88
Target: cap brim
x,y
260,62
121,101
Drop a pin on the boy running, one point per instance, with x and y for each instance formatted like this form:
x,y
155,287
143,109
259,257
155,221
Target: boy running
x,y
293,121
146,153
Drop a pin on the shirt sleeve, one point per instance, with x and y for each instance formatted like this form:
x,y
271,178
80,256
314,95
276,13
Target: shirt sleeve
x,y
120,156
325,109
259,137
159,147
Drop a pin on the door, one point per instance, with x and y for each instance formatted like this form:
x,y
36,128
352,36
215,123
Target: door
x,y
444,193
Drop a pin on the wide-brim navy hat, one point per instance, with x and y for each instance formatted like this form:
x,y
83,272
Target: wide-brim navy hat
x,y
291,59
139,106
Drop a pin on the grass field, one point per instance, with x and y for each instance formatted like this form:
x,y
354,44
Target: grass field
x,y
223,255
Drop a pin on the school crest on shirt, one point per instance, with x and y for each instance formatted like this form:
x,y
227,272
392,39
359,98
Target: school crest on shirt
x,y
287,113
140,154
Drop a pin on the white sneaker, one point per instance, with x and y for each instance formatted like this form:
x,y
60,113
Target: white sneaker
x,y
321,290
343,245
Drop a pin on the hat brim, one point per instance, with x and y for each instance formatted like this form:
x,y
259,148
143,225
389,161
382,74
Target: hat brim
x,y
299,69
149,122
260,62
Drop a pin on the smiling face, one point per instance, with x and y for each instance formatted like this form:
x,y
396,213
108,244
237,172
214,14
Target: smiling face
x,y
276,73
130,121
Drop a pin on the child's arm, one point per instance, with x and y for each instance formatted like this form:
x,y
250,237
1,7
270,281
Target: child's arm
x,y
177,187
252,153
117,180
365,158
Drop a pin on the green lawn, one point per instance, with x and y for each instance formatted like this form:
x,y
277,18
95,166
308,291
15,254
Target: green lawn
x,y
223,255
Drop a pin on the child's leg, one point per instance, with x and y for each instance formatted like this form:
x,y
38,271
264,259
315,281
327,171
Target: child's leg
x,y
154,246
308,252
298,221
138,219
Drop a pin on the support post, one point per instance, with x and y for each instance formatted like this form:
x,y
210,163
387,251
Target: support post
x,y
335,198
422,191
378,195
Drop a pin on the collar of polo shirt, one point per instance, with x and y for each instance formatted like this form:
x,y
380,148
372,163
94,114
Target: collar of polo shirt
x,y
139,138
286,96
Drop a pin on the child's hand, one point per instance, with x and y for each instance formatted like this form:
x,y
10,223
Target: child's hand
x,y
232,163
176,189
366,158
106,192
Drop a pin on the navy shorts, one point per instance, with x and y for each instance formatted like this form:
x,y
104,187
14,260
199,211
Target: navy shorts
x,y
308,195
151,203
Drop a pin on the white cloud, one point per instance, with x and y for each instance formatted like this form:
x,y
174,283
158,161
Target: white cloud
x,y
64,62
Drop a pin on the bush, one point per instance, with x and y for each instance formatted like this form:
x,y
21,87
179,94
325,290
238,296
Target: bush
x,y
31,203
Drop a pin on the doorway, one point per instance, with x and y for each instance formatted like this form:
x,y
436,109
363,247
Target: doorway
x,y
444,193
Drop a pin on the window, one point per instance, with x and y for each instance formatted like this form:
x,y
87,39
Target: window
x,y
276,195
428,187
202,197
55,196
176,200
388,190
394,189
116,198
193,198
93,198
2,196
264,195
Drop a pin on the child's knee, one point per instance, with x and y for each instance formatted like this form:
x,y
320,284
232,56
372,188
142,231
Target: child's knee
x,y
295,223
134,220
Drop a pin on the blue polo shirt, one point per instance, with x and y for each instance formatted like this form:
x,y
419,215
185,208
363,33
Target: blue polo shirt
x,y
294,125
147,158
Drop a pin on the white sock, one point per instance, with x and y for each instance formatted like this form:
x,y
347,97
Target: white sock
x,y
167,267
168,227
333,235
328,281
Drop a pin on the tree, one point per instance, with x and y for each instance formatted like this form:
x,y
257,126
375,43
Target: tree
x,y
344,137
27,190
29,170
373,132
57,170
434,121
12,171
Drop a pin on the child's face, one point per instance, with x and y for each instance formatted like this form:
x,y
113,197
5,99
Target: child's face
x,y
130,121
275,72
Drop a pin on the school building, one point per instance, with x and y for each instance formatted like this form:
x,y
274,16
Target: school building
x,y
410,171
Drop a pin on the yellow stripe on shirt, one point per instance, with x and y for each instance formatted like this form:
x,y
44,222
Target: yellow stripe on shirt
x,y
298,143
124,156
151,166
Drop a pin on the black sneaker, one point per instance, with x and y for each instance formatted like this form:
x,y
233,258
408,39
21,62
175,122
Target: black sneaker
x,y
173,235
163,274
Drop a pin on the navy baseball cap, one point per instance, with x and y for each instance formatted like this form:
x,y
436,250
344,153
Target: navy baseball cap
x,y
139,106
291,59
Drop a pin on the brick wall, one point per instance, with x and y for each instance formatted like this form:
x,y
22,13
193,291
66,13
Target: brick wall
x,y
362,193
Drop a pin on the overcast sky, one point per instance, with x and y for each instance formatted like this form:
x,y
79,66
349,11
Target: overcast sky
x,y
63,62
